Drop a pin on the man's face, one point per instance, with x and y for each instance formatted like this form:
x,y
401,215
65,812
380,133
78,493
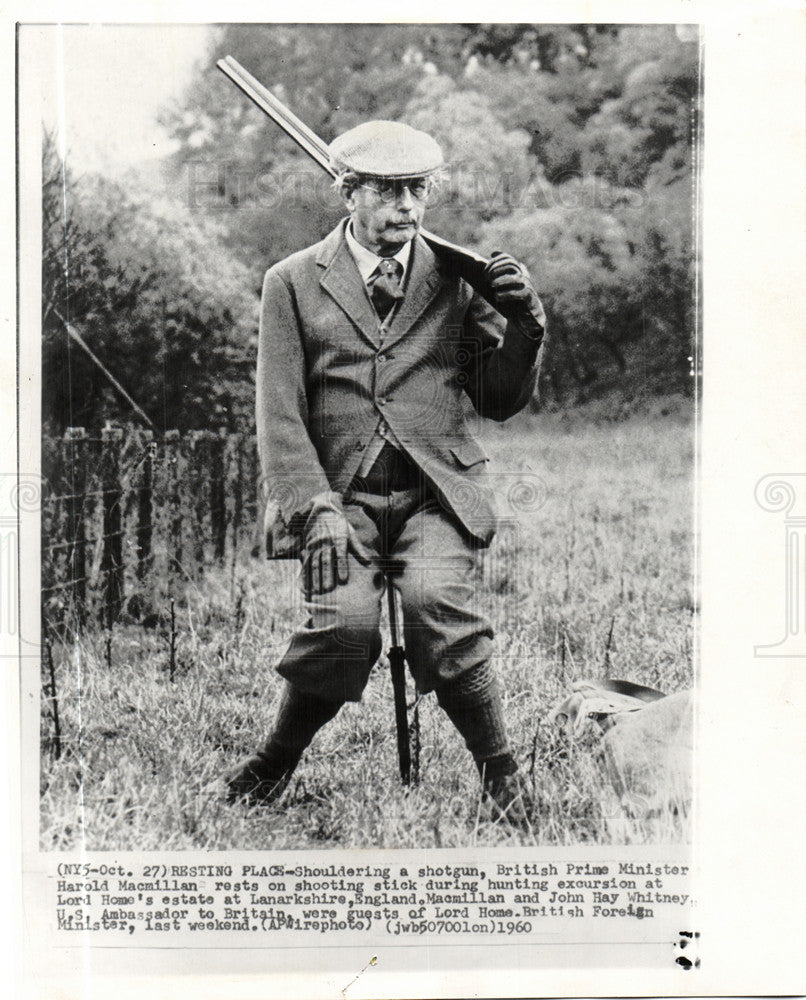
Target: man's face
x,y
384,226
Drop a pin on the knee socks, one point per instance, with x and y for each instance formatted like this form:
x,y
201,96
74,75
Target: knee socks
x,y
473,704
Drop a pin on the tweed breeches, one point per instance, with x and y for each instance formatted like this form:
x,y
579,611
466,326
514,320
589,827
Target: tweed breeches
x,y
432,562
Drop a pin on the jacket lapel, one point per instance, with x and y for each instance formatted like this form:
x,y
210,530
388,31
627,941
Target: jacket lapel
x,y
422,285
341,280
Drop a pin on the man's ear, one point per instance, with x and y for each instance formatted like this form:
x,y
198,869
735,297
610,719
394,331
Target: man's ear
x,y
348,197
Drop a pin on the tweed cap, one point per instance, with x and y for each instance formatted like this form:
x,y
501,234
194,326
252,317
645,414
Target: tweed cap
x,y
386,149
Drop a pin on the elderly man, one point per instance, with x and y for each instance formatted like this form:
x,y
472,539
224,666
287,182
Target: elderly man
x,y
369,351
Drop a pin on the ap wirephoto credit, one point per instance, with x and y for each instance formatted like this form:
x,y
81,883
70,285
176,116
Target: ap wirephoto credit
x,y
360,531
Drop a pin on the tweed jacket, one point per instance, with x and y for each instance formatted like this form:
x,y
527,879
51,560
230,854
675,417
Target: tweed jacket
x,y
329,371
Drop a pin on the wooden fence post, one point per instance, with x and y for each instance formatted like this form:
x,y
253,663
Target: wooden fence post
x,y
112,560
55,566
144,505
256,496
197,453
143,501
76,441
236,471
218,509
174,499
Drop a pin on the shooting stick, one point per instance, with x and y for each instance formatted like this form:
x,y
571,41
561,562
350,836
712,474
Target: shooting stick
x,y
396,658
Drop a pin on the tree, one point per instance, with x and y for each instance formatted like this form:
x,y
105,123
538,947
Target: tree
x,y
150,291
489,164
645,127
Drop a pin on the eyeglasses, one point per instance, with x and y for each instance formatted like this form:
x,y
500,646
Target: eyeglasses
x,y
390,190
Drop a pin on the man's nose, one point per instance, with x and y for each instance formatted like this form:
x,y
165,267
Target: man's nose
x,y
404,198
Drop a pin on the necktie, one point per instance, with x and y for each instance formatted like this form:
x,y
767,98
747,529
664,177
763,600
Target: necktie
x,y
385,288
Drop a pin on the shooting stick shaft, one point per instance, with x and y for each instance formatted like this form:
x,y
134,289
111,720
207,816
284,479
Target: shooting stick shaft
x,y
396,659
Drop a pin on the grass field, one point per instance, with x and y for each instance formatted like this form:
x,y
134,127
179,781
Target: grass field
x,y
607,545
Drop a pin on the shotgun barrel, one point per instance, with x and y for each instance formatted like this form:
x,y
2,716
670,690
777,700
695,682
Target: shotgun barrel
x,y
270,105
456,261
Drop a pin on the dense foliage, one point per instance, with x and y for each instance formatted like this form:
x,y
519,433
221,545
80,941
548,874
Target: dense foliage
x,y
151,292
570,147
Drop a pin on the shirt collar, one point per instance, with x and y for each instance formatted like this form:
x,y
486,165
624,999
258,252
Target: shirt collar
x,y
366,260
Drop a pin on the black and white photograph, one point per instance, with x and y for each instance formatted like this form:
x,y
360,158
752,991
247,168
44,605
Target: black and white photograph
x,y
471,454
365,392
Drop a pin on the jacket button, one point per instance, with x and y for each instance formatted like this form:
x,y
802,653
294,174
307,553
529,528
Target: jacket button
x,y
359,447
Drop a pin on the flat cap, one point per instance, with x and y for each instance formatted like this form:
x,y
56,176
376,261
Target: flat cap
x,y
386,149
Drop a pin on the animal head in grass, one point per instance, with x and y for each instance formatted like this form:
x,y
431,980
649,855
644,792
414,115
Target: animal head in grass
x,y
600,702
647,738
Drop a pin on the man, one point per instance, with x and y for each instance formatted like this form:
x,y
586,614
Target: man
x,y
368,353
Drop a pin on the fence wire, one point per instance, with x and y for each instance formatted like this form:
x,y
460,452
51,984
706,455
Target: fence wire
x,y
129,518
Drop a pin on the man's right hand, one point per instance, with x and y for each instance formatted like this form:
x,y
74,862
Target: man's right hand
x,y
329,541
515,295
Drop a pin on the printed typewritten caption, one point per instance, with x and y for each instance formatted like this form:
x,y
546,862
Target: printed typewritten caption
x,y
281,899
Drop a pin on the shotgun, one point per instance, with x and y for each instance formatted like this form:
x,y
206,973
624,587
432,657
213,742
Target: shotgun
x,y
456,261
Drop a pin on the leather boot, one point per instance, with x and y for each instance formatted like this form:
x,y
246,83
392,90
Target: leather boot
x,y
504,792
262,779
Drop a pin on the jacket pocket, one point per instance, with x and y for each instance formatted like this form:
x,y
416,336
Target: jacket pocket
x,y
468,453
